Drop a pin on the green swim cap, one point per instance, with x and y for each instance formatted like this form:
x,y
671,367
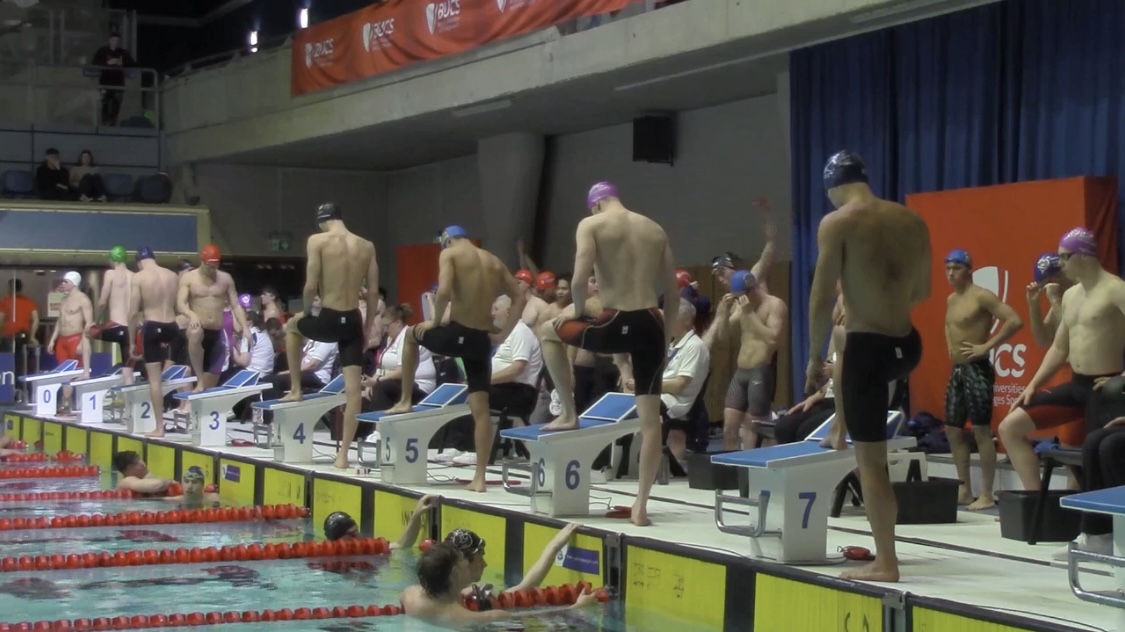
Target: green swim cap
x,y
117,254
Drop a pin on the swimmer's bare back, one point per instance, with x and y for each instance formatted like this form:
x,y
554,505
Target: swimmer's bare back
x,y
344,263
886,264
629,258
156,288
478,278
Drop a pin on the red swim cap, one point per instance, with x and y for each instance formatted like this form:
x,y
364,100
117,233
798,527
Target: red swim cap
x,y
210,254
525,276
545,281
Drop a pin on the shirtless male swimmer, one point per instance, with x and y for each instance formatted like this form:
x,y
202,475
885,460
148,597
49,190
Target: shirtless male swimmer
x,y
632,258
114,298
339,262
1050,281
885,274
970,314
469,281
153,302
68,341
204,293
1091,337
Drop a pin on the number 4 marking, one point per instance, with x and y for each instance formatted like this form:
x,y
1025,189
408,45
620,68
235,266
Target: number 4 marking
x,y
811,498
299,435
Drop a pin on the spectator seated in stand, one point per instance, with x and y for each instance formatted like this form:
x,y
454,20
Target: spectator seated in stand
x,y
87,180
52,180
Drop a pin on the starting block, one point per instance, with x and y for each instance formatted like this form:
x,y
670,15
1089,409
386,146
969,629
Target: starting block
x,y
792,487
90,395
405,438
1110,502
138,403
210,407
561,461
45,386
291,432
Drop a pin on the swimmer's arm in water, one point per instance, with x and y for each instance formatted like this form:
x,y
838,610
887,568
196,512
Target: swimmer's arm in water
x,y
1002,312
410,534
312,273
585,254
519,301
538,571
923,282
183,296
1054,359
444,293
829,265
144,485
375,305
134,313
671,288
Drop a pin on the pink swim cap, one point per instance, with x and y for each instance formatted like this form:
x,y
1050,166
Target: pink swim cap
x,y
599,192
1080,241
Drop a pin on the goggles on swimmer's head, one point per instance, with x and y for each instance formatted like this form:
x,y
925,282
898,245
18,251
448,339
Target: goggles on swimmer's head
x,y
465,541
337,525
723,262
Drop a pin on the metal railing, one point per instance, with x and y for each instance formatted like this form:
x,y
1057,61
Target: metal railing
x,y
567,28
61,32
38,94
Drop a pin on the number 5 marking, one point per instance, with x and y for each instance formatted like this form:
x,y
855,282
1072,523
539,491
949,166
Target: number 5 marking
x,y
811,498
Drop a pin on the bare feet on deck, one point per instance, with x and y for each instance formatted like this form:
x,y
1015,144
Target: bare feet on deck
x,y
640,516
477,486
965,496
341,460
984,502
560,424
874,572
155,434
292,396
399,408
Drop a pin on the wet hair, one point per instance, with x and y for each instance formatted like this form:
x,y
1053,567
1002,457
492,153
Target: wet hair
x,y
401,312
435,569
272,291
122,460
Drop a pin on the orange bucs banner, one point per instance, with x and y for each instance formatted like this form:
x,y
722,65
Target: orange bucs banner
x,y
1005,228
397,33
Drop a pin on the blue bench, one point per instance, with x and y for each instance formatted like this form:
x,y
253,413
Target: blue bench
x,y
404,439
45,386
792,486
137,400
291,432
211,407
561,461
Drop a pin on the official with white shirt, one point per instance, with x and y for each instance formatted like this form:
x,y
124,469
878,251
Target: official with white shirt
x,y
384,388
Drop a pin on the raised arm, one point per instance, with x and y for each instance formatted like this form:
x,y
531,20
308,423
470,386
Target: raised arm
x,y
761,269
519,301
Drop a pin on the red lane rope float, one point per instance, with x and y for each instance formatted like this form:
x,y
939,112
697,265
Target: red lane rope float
x,y
64,456
529,598
108,494
196,555
147,518
61,471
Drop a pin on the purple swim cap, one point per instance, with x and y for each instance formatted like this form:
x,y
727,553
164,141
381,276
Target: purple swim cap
x,y
245,300
1080,241
1046,266
599,192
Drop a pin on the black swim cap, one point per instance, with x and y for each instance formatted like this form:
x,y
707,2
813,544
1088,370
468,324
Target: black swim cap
x,y
465,541
328,211
337,525
725,260
844,167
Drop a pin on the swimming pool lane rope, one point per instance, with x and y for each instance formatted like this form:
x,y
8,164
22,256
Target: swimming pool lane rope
x,y
148,518
563,595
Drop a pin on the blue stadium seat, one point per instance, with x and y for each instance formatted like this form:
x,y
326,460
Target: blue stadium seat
x,y
119,187
154,189
17,184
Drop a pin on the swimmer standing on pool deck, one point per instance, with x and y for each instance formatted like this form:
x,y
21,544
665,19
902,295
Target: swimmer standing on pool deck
x,y
114,298
339,262
880,251
632,258
153,299
469,281
68,341
204,293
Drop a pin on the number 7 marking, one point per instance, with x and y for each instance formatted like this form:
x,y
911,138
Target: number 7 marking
x,y
811,498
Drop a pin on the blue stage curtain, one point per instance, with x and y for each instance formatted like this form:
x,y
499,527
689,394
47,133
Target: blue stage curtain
x,y
1012,91
827,82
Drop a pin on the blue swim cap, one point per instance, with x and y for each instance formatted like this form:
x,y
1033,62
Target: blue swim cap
x,y
144,252
844,167
1046,266
451,232
742,281
960,257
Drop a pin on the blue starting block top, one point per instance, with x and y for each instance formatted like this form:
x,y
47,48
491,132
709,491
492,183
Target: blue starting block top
x,y
444,395
1104,501
331,389
69,365
762,457
611,408
241,379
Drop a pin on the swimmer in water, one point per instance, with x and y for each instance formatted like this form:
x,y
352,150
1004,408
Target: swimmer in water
x,y
885,274
448,572
194,494
631,256
340,526
135,475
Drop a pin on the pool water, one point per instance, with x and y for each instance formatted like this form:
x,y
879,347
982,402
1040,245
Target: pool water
x,y
93,593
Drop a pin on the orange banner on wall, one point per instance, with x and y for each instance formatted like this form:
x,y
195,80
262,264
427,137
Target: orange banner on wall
x,y
1005,228
398,33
